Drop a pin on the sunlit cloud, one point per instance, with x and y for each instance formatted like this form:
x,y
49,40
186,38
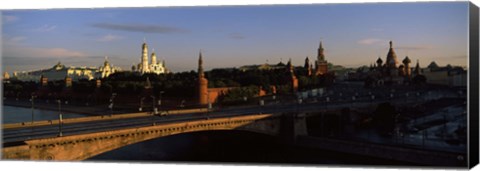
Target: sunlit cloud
x,y
369,41
142,28
109,38
45,28
416,47
23,51
236,36
9,18
14,40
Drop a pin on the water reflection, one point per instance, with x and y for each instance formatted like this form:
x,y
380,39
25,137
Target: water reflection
x,y
12,114
231,147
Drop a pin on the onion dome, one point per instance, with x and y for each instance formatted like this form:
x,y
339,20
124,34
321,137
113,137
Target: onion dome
x,y
391,57
406,60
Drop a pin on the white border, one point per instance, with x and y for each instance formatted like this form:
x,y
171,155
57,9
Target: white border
x,y
73,166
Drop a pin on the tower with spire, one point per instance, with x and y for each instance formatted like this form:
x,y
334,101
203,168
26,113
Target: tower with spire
x,y
417,68
321,64
308,66
202,83
144,66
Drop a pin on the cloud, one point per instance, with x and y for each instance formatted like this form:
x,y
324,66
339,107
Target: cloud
x,y
454,57
369,41
109,38
60,52
142,28
13,40
236,36
45,28
22,51
415,47
17,39
9,18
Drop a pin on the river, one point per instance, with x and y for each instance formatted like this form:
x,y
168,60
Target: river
x,y
231,147
11,114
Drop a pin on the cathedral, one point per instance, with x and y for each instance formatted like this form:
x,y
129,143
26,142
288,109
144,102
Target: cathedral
x,y
392,70
153,67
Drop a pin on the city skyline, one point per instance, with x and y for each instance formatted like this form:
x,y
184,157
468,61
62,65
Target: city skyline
x,y
353,35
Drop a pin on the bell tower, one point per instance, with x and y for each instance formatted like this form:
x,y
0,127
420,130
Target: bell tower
x,y
144,66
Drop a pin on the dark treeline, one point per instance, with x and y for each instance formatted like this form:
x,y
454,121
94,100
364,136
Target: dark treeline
x,y
182,85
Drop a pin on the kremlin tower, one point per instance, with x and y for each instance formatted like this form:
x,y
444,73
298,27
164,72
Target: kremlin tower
x,y
321,65
202,83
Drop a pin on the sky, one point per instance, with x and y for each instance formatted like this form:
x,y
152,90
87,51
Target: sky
x,y
231,36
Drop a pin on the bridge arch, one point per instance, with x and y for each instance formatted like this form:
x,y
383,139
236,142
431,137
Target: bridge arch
x,y
209,145
80,147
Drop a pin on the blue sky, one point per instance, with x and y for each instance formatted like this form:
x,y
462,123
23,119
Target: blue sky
x,y
232,36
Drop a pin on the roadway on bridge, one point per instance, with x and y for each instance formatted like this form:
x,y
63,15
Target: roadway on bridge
x,y
22,134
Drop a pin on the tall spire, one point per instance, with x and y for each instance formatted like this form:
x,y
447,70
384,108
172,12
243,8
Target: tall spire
x,y
321,55
202,82
200,65
417,68
307,63
391,44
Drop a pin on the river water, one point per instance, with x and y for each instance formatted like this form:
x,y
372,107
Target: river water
x,y
231,147
11,114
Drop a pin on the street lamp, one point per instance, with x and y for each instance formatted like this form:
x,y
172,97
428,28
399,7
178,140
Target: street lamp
x,y
60,121
32,100
141,104
111,103
154,109
160,98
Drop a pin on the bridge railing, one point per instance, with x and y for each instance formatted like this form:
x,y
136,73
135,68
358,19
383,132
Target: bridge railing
x,y
98,118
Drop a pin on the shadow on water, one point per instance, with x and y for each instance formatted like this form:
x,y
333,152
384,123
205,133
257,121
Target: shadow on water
x,y
231,147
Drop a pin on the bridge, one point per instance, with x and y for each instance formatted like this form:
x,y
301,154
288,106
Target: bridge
x,y
84,138
83,146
